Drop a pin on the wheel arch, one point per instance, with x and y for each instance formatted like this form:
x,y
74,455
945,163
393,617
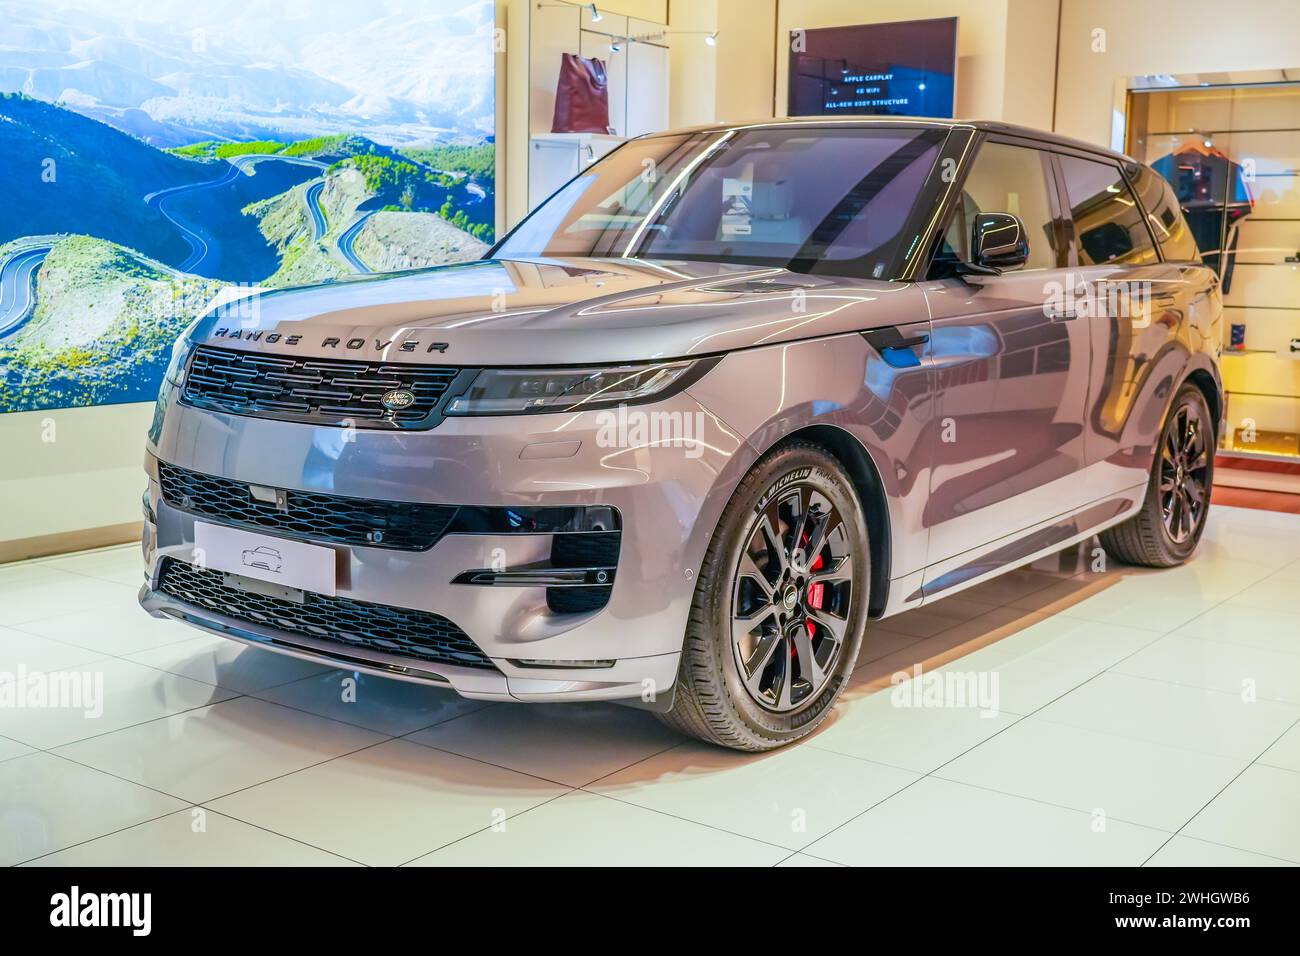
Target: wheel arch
x,y
862,471
1204,381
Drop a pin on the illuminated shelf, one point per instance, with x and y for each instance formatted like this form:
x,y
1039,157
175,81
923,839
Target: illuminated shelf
x,y
1273,445
1243,393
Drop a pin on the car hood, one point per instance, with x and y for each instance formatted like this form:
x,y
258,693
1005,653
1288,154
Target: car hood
x,y
557,311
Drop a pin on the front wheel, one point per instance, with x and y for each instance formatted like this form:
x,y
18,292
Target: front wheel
x,y
779,607
1167,529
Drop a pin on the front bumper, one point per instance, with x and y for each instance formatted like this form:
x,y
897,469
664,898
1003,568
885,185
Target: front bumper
x,y
668,492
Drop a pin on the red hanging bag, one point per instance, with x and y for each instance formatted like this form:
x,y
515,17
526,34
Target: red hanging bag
x,y
582,96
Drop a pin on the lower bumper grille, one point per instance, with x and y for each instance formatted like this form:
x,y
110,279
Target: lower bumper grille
x,y
357,625
406,526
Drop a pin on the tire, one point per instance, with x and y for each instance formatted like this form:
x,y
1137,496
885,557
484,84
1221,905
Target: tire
x,y
1158,536
725,692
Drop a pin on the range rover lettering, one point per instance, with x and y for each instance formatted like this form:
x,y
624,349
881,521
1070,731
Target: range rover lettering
x,y
726,399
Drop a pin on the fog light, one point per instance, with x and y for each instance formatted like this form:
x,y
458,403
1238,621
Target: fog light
x,y
527,662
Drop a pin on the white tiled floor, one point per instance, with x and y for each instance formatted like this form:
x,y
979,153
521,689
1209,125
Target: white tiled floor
x,y
1144,717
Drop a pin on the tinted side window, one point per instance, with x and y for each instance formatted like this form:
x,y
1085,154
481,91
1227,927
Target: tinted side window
x,y
1164,216
1012,179
1108,224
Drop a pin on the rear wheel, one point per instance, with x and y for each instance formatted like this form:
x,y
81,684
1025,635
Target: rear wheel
x,y
779,607
1169,526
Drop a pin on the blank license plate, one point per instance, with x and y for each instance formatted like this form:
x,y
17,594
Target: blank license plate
x,y
293,564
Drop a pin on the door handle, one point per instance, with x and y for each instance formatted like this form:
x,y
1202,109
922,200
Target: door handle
x,y
896,348
890,337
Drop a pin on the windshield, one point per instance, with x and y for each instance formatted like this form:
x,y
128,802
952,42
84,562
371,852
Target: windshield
x,y
825,200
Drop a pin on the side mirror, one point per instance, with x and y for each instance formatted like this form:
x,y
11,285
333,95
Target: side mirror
x,y
998,241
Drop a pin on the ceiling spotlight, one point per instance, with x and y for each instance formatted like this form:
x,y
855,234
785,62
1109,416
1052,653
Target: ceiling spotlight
x,y
712,38
596,15
615,46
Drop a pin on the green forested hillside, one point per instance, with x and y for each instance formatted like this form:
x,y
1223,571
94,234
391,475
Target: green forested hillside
x,y
67,173
478,161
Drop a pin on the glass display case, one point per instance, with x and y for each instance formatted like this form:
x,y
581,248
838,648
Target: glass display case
x,y
1232,153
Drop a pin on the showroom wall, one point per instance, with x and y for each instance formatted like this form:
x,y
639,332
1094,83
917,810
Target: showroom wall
x,y
1006,53
693,76
1160,36
70,470
1005,48
745,60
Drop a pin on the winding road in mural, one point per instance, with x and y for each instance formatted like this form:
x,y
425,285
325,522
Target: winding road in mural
x,y
312,198
345,244
199,243
18,287
246,162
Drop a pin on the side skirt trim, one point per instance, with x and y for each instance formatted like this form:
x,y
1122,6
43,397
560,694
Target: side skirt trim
x,y
1035,543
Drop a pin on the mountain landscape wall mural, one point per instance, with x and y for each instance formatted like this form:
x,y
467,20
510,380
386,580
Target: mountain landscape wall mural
x,y
153,153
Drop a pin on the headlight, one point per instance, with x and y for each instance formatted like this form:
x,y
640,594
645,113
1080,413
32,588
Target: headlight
x,y
521,391
180,355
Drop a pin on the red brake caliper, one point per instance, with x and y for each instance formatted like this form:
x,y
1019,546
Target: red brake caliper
x,y
816,591
817,588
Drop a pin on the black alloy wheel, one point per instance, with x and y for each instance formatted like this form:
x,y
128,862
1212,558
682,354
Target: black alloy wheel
x,y
791,598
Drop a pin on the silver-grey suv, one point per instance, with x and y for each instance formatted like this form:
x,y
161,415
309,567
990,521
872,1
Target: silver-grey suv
x,y
724,399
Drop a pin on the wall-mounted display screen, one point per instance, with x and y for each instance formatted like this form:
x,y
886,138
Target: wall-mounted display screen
x,y
876,69
155,152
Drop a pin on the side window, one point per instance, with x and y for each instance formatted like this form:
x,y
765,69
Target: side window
x,y
1108,224
1012,179
1164,215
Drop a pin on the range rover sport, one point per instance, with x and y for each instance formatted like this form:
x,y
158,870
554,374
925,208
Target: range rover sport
x,y
727,398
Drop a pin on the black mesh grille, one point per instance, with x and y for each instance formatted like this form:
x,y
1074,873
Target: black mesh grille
x,y
590,550
577,600
401,525
350,624
316,390
596,549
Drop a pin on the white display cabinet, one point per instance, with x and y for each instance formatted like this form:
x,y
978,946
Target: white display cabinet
x,y
555,158
636,57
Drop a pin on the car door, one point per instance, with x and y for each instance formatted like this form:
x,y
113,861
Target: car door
x,y
1011,373
1135,307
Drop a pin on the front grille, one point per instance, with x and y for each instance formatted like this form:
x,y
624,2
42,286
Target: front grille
x,y
357,625
315,390
405,526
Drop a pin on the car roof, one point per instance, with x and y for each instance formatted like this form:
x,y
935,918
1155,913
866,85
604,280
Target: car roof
x,y
989,126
